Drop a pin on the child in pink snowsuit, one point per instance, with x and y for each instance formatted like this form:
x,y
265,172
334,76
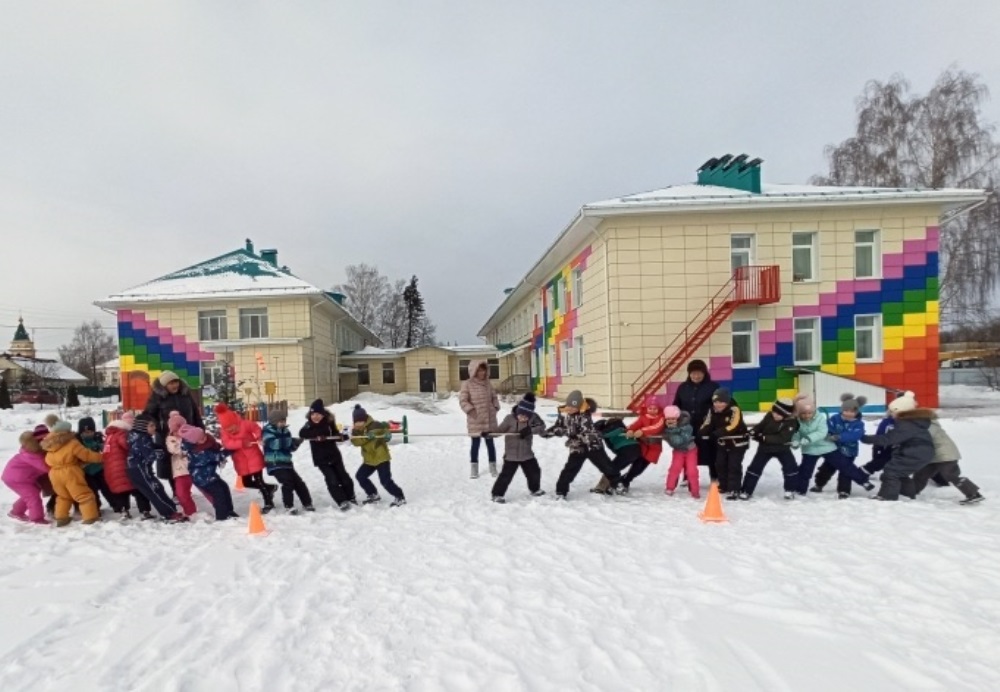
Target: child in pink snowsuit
x,y
22,474
680,436
179,465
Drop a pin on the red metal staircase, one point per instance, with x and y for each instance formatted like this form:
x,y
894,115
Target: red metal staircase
x,y
747,286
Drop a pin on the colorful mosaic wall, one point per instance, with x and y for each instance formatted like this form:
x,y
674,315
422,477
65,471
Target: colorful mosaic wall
x,y
907,299
557,325
146,349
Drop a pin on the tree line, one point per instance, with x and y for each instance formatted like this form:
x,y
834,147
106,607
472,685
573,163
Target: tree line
x,y
393,310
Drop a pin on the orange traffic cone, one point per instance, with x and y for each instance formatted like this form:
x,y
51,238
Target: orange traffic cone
x,y
256,521
713,507
239,484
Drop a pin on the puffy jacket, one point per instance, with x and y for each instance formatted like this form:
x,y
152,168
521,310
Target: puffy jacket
x,y
945,448
245,446
727,427
649,426
64,451
774,435
178,457
27,466
204,460
696,399
373,451
115,455
323,439
910,439
681,435
848,434
613,431
143,450
581,434
94,444
881,453
278,447
479,402
161,403
516,448
811,437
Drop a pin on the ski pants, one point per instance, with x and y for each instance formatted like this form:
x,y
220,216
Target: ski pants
x,y
222,498
896,473
948,470
836,463
491,450
685,460
98,486
292,483
706,455
256,481
598,457
338,480
532,473
384,471
145,482
122,502
760,460
729,467
29,501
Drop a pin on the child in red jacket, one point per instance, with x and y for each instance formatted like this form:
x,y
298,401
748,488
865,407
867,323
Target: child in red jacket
x,y
243,439
647,429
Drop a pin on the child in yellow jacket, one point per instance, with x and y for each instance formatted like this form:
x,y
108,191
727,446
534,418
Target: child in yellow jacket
x,y
65,456
373,438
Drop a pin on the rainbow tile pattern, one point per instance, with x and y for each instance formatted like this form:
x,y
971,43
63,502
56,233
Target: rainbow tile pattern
x,y
146,346
906,297
557,325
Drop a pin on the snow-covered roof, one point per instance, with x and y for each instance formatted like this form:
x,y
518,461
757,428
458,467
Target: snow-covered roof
x,y
113,364
373,352
48,369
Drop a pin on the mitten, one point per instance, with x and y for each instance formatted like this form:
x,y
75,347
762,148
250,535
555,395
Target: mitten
x,y
370,436
525,433
387,437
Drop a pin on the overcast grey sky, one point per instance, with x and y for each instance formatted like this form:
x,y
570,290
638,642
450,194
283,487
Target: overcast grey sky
x,y
451,140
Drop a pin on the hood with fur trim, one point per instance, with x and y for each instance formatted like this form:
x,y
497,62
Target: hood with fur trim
x,y
916,414
162,392
30,443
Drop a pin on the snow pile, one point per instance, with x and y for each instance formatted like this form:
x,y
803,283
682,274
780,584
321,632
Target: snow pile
x,y
453,592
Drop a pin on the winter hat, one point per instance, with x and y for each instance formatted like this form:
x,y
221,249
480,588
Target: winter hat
x,y
50,420
129,418
62,426
166,377
175,422
671,413
783,406
276,415
40,432
575,399
317,407
904,402
650,402
192,434
697,365
85,424
141,422
804,403
30,441
359,415
849,402
722,395
526,405
227,417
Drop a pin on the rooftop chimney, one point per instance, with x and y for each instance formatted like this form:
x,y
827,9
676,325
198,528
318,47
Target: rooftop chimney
x,y
249,246
734,172
270,256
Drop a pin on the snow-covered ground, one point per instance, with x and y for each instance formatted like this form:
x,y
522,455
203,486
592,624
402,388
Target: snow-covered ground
x,y
453,592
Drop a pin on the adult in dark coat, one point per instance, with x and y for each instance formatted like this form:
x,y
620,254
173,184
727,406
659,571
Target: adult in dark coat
x,y
694,397
171,393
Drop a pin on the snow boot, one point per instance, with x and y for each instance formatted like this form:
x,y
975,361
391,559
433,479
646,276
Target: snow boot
x,y
499,499
668,492
744,496
602,486
538,493
561,497
292,511
816,489
176,518
398,502
475,470
843,496
493,469
372,499
733,496
124,515
310,508
972,500
18,517
40,522
91,521
344,506
266,509
146,516
63,522
789,495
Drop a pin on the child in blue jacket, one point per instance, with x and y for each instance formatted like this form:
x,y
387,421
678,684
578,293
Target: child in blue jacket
x,y
845,429
205,455
278,448
815,440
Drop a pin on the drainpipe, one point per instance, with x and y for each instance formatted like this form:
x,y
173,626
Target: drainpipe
x,y
336,355
607,316
312,337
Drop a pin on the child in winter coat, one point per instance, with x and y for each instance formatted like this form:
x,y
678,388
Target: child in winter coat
x,y
323,434
179,471
627,454
576,424
646,429
727,429
774,441
204,458
115,458
911,443
680,436
144,451
945,464
373,438
844,429
278,448
65,457
242,438
517,450
86,433
21,475
813,437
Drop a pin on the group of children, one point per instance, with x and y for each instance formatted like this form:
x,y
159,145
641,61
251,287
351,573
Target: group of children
x,y
909,448
76,469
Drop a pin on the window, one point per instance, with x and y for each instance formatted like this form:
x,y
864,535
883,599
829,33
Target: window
x,y
534,364
566,356
494,368
364,377
867,255
804,257
806,341
463,370
744,343
577,287
550,362
253,323
388,373
868,338
212,325
578,351
214,373
550,301
741,250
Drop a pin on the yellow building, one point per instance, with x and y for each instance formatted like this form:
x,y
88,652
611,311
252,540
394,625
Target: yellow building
x,y
428,369
241,311
759,281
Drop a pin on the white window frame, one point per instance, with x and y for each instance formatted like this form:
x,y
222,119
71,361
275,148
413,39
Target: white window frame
x,y
813,329
754,343
877,341
566,358
577,288
876,249
561,287
534,363
205,320
579,366
251,316
214,373
550,362
750,252
813,248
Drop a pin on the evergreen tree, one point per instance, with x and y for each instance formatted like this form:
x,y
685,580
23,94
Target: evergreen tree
x,y
72,397
414,312
5,396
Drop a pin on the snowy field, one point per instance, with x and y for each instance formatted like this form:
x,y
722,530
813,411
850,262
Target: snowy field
x,y
453,592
